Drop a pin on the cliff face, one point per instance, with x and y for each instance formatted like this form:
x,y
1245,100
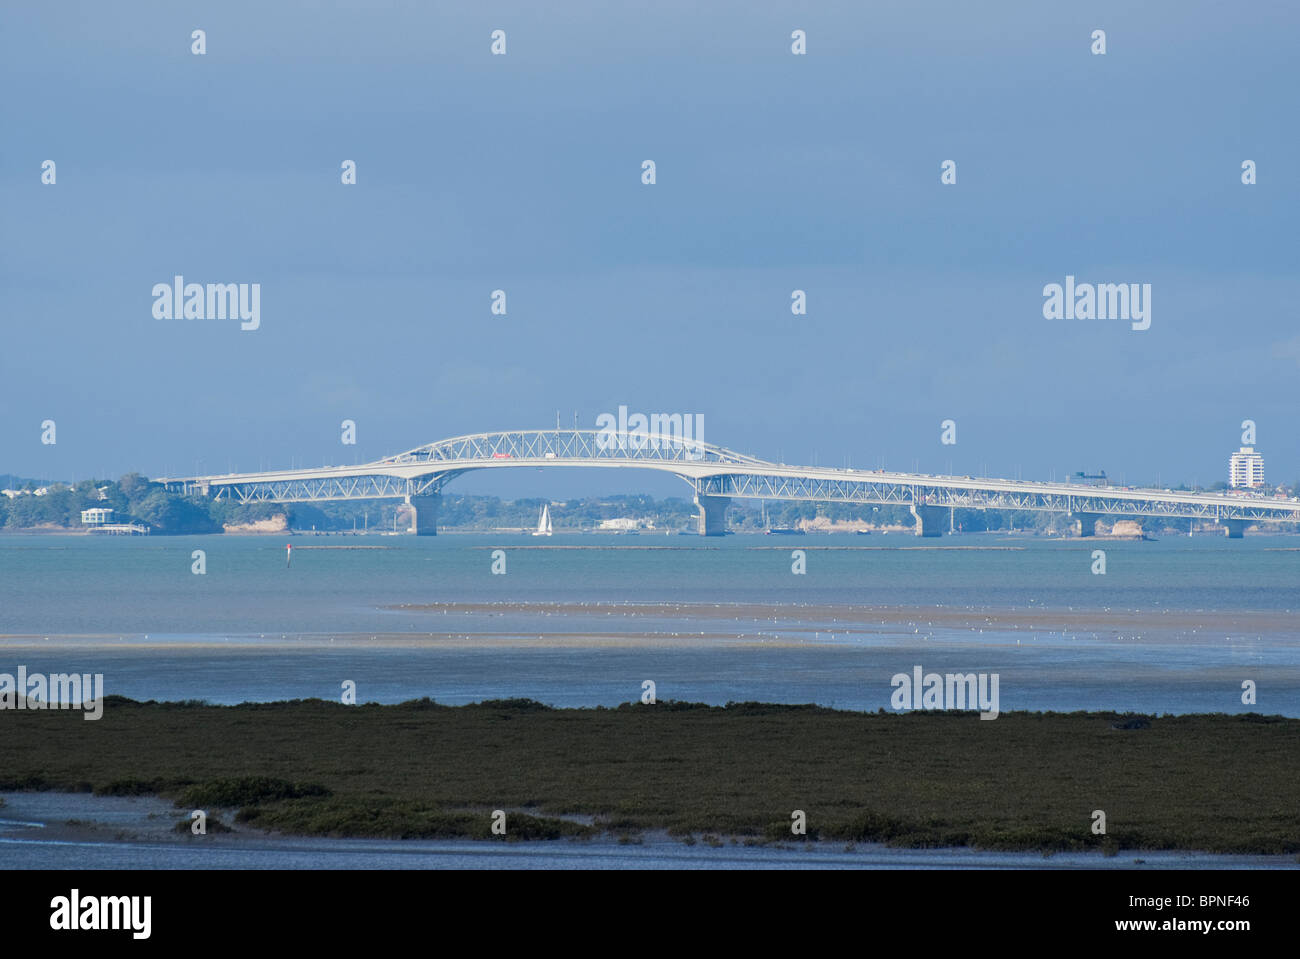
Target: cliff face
x,y
272,524
1128,528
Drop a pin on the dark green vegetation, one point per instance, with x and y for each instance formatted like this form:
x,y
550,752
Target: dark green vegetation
x,y
133,499
1023,781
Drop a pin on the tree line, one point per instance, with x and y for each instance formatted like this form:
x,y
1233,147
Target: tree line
x,y
136,499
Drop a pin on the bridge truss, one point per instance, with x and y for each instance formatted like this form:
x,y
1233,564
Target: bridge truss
x,y
716,475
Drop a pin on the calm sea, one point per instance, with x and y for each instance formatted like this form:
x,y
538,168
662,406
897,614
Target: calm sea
x,y
1196,618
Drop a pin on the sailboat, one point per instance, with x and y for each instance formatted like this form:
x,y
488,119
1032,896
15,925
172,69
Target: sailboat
x,y
544,522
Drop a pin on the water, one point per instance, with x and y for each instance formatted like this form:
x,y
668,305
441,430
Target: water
x,y
133,833
66,584
1172,626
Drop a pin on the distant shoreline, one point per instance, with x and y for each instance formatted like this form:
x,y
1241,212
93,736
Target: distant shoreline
x,y
1209,532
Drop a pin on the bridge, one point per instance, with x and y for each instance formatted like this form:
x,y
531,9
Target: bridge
x,y
717,476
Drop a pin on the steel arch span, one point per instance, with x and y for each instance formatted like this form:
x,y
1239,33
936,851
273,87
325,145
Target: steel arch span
x,y
717,475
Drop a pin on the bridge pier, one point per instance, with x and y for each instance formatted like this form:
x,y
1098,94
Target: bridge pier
x,y
713,514
930,520
424,514
1236,528
1087,523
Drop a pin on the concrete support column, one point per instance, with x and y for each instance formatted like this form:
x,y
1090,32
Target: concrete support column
x,y
930,520
1236,527
1087,523
713,514
424,514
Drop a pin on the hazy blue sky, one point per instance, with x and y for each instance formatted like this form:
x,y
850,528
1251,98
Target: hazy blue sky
x,y
775,172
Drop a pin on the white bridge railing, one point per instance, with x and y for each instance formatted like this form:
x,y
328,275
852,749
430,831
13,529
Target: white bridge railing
x,y
712,471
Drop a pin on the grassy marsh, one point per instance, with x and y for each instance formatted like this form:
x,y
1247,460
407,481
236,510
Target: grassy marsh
x,y
1215,783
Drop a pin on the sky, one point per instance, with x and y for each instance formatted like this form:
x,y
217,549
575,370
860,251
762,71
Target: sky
x,y
774,173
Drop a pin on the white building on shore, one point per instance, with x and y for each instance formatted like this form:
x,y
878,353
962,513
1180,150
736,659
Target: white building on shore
x,y
1246,469
625,524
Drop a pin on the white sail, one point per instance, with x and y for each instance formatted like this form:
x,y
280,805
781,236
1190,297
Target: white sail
x,y
544,522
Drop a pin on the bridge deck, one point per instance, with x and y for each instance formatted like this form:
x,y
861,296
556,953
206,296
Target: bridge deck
x,y
718,473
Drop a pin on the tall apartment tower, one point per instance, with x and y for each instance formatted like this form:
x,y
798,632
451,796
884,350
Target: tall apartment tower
x,y
1246,469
